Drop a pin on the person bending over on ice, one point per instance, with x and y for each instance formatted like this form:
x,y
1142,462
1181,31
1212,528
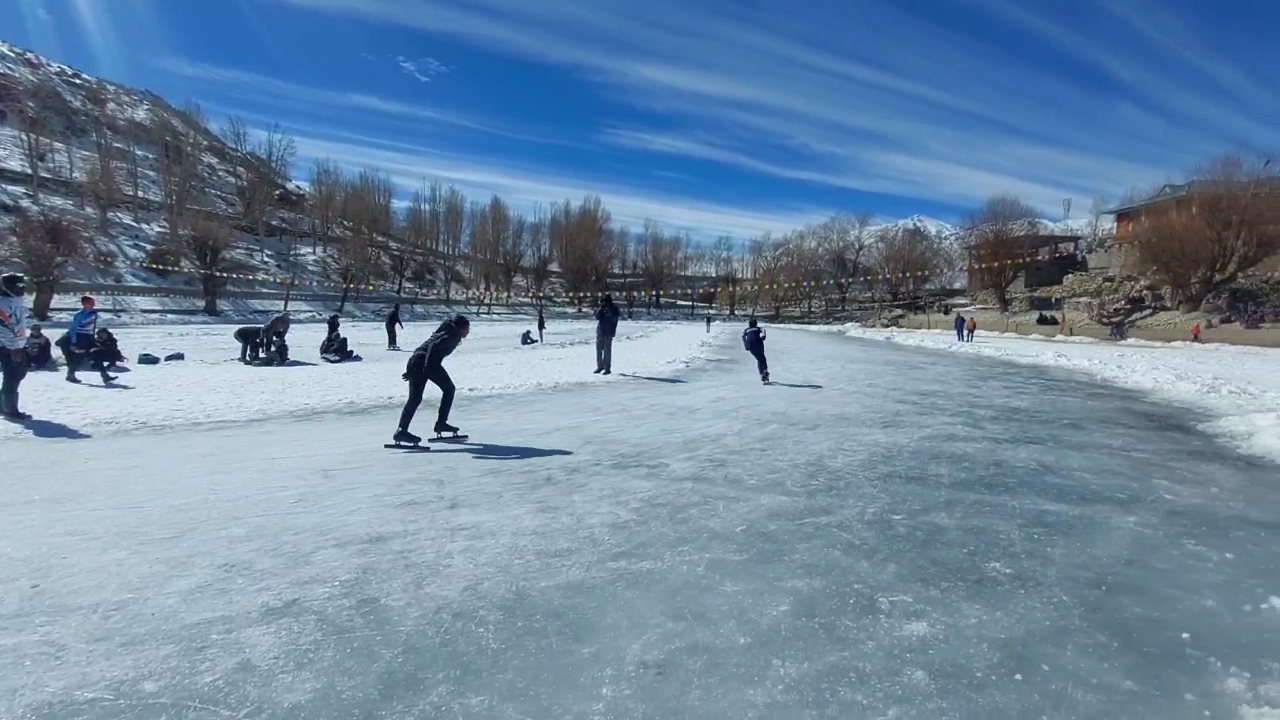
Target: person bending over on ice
x,y
39,350
426,365
753,341
13,343
277,326
606,328
393,319
250,339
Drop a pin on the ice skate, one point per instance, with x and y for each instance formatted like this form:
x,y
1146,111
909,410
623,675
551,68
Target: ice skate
x,y
443,427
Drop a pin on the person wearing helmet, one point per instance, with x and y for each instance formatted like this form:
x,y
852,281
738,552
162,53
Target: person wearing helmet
x,y
13,343
425,365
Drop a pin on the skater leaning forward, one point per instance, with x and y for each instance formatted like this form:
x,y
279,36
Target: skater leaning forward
x,y
753,342
425,365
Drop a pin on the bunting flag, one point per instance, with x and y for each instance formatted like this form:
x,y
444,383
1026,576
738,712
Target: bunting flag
x,y
691,292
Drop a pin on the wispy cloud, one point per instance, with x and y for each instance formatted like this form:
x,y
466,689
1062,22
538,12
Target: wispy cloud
x,y
422,69
322,102
409,165
868,96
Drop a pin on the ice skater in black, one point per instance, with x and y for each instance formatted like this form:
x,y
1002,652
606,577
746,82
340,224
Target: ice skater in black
x,y
13,343
753,341
425,365
393,319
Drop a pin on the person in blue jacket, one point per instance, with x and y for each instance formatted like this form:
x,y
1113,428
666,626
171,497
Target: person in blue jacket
x,y
959,327
79,339
607,316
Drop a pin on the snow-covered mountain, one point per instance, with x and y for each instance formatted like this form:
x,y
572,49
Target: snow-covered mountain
x,y
949,231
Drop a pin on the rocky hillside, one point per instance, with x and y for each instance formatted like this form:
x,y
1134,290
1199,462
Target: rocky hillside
x,y
100,155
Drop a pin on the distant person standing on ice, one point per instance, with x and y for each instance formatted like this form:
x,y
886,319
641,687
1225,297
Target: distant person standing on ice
x,y
970,326
753,341
393,319
607,316
425,365
542,325
13,343
959,327
708,322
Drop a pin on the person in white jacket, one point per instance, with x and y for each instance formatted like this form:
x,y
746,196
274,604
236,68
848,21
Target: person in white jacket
x,y
13,343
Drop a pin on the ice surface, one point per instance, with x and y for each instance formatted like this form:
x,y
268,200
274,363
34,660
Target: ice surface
x,y
1237,387
922,536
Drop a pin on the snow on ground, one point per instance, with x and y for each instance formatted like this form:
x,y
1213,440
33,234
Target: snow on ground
x,y
211,386
1238,386
687,543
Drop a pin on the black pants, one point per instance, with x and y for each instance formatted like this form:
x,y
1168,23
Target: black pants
x,y
762,365
13,371
960,334
391,336
418,384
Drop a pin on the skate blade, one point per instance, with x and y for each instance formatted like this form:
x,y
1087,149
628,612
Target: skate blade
x,y
448,438
404,446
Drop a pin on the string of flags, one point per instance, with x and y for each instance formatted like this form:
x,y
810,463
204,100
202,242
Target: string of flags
x,y
693,291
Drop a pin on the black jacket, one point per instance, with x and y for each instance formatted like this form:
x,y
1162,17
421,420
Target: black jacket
x,y
753,339
607,319
440,345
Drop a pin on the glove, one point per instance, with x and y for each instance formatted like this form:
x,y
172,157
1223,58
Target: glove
x,y
404,376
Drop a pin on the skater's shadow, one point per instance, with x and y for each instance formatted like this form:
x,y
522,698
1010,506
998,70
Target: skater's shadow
x,y
794,385
673,381
487,451
110,386
50,430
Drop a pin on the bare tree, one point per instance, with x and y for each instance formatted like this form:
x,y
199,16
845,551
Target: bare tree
x,y
132,133
844,240
261,167
804,265
996,238
1228,223
728,272
45,243
33,130
102,179
514,250
906,258
179,146
539,243
659,258
453,230
206,244
768,258
328,182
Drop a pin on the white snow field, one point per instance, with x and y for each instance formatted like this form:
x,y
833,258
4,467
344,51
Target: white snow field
x,y
892,533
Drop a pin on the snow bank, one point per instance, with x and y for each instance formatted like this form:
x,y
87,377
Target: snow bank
x,y
212,386
1237,386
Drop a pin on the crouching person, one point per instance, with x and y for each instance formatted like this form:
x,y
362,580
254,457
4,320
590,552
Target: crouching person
x,y
105,354
39,350
277,352
334,348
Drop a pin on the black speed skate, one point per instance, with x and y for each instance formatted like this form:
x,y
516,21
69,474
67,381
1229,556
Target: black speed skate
x,y
764,378
405,440
443,427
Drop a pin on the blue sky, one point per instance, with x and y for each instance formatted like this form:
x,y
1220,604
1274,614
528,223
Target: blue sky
x,y
735,116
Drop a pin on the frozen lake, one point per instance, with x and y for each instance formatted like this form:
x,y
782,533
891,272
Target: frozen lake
x,y
892,533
